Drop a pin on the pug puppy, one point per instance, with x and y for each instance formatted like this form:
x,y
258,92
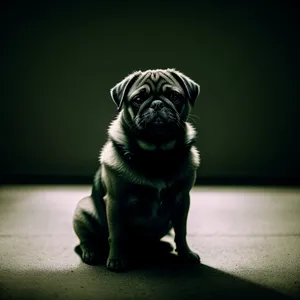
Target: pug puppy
x,y
147,169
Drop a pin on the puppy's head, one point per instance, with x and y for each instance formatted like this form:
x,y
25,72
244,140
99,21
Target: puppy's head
x,y
155,101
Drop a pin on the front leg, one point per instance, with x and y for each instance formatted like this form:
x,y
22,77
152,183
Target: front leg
x,y
117,258
179,220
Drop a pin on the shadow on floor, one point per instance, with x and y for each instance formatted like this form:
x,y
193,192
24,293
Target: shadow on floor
x,y
156,276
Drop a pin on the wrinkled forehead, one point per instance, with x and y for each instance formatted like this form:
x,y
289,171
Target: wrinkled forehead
x,y
155,82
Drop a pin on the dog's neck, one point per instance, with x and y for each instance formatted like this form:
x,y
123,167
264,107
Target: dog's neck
x,y
148,146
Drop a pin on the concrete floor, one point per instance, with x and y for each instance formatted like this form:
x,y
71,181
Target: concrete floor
x,y
248,239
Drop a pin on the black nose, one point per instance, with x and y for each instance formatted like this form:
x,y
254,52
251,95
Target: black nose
x,y
157,104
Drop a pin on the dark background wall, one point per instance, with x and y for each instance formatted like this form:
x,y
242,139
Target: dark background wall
x,y
59,61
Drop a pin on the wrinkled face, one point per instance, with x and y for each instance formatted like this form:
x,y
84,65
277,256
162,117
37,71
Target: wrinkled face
x,y
156,101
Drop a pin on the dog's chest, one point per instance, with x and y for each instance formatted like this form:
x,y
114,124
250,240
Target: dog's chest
x,y
149,211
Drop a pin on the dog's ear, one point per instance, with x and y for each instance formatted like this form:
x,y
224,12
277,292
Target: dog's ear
x,y
119,91
191,87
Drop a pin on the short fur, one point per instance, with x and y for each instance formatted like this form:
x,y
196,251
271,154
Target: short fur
x,y
147,169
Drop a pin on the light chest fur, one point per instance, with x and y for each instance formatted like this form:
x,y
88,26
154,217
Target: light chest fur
x,y
111,158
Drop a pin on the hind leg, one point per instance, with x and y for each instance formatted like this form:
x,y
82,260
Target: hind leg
x,y
91,229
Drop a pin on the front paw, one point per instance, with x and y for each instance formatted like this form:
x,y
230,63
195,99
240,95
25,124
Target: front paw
x,y
90,257
116,264
189,257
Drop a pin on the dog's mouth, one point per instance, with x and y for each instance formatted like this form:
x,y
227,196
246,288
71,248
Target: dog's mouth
x,y
158,121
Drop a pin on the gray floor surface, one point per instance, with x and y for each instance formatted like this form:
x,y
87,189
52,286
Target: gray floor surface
x,y
248,240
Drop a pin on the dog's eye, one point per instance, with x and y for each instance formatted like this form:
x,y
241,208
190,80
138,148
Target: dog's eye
x,y
174,97
137,100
